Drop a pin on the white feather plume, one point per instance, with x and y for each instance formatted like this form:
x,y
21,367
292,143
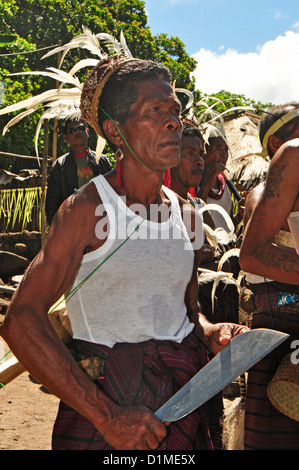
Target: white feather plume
x,y
205,276
56,74
190,96
83,63
220,233
114,46
60,102
36,102
16,119
228,254
61,110
211,236
86,40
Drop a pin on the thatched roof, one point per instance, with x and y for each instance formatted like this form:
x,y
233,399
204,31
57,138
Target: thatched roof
x,y
25,179
242,131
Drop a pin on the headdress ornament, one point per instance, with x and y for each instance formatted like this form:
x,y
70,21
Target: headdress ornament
x,y
276,126
94,85
209,131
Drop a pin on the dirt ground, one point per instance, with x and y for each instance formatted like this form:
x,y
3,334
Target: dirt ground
x,y
27,413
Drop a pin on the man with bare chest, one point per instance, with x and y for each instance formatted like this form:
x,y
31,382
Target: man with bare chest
x,y
272,265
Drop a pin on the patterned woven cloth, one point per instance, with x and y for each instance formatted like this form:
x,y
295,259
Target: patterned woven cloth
x,y
145,374
265,427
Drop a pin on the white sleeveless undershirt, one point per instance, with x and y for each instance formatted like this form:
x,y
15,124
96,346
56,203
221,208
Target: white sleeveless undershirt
x,y
139,292
226,202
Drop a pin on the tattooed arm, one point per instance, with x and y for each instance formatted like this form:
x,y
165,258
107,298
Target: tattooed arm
x,y
267,214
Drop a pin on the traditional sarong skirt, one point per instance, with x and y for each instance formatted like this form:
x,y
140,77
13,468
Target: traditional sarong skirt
x,y
146,374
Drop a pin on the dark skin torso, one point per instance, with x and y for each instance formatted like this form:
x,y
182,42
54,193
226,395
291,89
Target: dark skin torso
x,y
266,213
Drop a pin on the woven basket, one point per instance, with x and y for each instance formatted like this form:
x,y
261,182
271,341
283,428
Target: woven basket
x,y
283,390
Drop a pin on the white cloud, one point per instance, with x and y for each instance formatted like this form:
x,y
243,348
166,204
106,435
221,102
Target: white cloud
x,y
278,14
268,75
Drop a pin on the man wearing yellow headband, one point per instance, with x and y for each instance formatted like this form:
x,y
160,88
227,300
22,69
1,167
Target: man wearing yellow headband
x,y
272,265
130,284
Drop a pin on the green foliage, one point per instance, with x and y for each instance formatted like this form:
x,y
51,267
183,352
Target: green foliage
x,y
40,24
20,139
226,101
44,22
6,39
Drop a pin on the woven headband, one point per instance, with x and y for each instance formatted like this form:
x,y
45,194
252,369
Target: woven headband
x,y
94,85
277,125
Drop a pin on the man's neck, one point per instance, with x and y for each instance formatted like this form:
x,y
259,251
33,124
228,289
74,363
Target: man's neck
x,y
177,185
80,155
136,188
79,149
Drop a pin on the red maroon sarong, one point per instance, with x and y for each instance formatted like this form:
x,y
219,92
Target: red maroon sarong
x,y
265,427
145,374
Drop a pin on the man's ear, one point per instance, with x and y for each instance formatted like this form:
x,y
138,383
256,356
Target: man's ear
x,y
274,143
112,133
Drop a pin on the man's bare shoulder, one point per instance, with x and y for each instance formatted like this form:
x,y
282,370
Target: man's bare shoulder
x,y
292,144
82,203
77,217
288,152
282,180
87,194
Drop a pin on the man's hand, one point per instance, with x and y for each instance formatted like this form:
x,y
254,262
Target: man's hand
x,y
133,428
221,334
209,178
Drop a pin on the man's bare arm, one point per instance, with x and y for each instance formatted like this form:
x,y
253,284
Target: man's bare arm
x,y
32,339
259,254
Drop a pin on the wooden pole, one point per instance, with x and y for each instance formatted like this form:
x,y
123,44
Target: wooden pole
x,y
21,156
55,134
55,130
44,180
11,368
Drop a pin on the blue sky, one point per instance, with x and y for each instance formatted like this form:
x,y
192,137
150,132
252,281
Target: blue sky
x,y
243,46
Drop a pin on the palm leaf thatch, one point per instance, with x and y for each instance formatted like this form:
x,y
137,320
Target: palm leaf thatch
x,y
245,165
212,122
249,171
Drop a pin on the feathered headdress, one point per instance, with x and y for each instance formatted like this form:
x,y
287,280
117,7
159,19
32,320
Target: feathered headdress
x,y
78,100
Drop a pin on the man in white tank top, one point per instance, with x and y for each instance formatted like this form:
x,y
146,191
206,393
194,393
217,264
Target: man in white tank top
x,y
133,105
